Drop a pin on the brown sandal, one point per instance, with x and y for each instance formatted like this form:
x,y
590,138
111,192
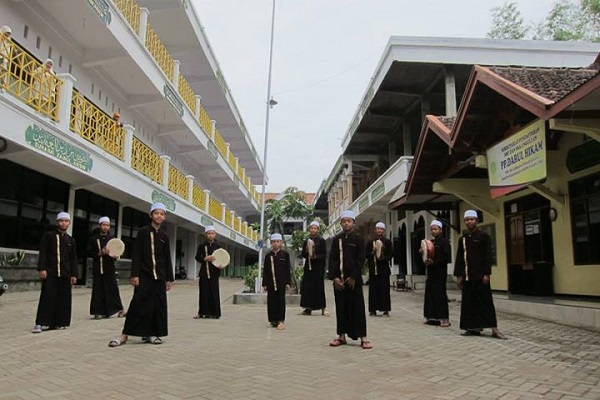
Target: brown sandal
x,y
365,344
337,342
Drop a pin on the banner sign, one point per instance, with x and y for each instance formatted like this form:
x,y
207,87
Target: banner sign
x,y
518,160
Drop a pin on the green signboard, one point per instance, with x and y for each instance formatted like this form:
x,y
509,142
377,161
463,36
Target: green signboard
x,y
363,203
213,149
377,192
56,147
233,235
173,99
101,7
167,200
204,220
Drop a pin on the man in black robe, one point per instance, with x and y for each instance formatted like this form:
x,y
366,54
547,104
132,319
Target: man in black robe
x,y
277,280
57,266
313,284
106,299
346,260
152,277
435,307
209,300
379,272
472,269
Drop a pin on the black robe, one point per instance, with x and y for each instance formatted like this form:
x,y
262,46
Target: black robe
x,y
106,299
276,275
147,313
58,258
349,303
313,285
435,307
209,300
477,306
379,276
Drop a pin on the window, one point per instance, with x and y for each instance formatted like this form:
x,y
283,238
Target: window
x,y
29,202
60,61
38,42
132,221
585,219
25,31
50,52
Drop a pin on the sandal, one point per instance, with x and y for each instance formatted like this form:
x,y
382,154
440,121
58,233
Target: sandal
x,y
499,335
121,314
365,344
471,333
153,340
116,342
280,326
445,324
337,342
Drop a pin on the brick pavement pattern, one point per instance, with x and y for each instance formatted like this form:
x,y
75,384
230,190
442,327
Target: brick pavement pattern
x,y
241,357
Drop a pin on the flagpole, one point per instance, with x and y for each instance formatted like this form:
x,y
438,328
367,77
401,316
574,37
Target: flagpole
x,y
269,104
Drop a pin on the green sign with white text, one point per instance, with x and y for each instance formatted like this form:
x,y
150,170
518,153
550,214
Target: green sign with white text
x,y
160,197
58,148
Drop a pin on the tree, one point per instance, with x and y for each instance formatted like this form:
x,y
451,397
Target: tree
x,y
567,20
507,22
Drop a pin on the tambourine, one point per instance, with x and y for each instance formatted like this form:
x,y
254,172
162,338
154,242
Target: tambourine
x,y
378,247
221,258
427,250
115,247
310,247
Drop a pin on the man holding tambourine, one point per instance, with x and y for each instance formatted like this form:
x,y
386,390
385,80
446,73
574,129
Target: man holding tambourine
x,y
209,302
106,299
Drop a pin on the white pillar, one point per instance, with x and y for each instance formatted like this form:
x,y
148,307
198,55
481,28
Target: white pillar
x,y
213,129
227,145
172,232
450,91
409,229
128,145
144,13
223,211
119,231
71,209
232,219
175,81
198,106
166,159
191,254
206,199
65,98
236,165
240,224
190,188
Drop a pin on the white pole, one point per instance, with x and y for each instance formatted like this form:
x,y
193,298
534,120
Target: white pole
x,y
262,239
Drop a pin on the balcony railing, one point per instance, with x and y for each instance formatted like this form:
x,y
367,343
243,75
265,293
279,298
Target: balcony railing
x,y
237,226
227,218
215,209
204,120
177,182
146,161
158,50
199,197
94,125
187,93
26,78
220,144
131,12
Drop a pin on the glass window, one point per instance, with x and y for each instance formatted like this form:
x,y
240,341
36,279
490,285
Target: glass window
x,y
584,197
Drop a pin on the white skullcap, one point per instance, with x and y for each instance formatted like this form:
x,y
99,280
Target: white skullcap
x,y
158,206
210,228
276,236
470,214
104,219
436,223
49,60
315,223
380,225
63,215
348,214
5,29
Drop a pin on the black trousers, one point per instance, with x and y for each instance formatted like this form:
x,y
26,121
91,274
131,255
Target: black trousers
x,y
147,312
54,306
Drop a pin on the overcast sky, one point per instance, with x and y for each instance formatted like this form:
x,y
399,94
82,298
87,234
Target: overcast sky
x,y
325,52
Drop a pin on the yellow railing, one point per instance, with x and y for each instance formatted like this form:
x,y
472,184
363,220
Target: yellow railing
x,y
237,225
177,182
199,197
227,217
245,228
160,53
220,143
214,208
146,161
92,124
204,120
27,79
131,12
187,93
231,160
